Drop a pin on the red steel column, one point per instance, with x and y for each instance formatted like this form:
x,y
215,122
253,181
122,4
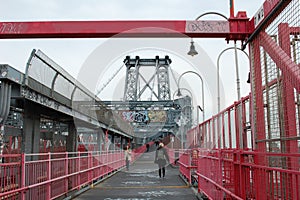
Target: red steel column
x,y
288,96
289,110
259,120
282,59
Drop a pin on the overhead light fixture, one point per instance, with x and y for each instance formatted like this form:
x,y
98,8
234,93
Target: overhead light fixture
x,y
192,51
179,93
249,80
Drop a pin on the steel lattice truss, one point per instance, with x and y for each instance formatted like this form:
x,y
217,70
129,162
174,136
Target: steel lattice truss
x,y
137,83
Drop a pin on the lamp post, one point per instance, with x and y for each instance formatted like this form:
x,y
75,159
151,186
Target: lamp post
x,y
179,94
237,82
236,69
202,86
183,112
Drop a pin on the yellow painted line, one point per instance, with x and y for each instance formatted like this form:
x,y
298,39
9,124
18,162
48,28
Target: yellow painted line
x,y
152,162
145,187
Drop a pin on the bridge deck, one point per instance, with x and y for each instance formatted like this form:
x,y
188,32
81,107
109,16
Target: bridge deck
x,y
142,182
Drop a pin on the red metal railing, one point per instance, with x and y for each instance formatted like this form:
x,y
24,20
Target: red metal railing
x,y
233,174
173,155
231,128
184,165
51,175
188,164
229,167
10,175
136,153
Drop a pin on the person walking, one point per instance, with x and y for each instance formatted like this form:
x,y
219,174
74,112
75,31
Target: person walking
x,y
156,143
127,157
161,158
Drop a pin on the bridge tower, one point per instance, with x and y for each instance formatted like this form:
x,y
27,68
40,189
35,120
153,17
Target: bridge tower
x,y
147,78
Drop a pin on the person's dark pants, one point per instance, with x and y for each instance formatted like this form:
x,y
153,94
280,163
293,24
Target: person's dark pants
x,y
161,168
163,171
127,164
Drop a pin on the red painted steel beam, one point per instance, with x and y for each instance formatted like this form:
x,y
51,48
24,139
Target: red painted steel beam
x,y
294,30
264,11
265,15
235,29
282,60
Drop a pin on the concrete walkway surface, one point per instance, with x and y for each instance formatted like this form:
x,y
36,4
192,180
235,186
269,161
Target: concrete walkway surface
x,y
141,182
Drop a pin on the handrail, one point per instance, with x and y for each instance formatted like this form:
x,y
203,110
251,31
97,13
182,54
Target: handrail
x,y
68,168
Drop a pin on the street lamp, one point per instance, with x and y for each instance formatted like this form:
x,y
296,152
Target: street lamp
x,y
211,13
197,107
236,69
193,48
202,85
178,93
192,51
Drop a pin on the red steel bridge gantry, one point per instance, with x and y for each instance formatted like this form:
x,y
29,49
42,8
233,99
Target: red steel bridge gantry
x,y
251,149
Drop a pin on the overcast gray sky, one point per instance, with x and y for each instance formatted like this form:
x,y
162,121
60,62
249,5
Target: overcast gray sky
x,y
72,53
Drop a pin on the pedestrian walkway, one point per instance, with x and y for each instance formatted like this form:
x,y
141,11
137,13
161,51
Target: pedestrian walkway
x,y
141,182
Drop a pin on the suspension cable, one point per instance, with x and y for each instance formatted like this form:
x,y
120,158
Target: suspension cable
x,y
112,77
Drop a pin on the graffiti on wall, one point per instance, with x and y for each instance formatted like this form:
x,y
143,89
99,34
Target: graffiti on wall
x,y
157,115
144,116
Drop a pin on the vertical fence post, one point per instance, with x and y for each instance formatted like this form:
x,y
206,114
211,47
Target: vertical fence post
x,y
236,161
223,131
237,118
23,175
219,174
90,166
189,163
242,175
78,170
198,169
244,122
66,172
49,177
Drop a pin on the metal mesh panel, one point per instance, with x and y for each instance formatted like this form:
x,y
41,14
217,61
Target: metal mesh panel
x,y
63,86
279,81
275,88
45,76
41,72
295,44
